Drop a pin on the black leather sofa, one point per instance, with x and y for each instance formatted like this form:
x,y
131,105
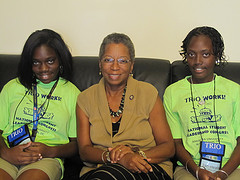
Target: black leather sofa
x,y
158,72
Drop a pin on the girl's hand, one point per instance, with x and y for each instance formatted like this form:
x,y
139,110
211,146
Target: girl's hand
x,y
19,156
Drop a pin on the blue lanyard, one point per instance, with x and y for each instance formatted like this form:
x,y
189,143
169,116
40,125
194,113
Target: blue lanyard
x,y
37,111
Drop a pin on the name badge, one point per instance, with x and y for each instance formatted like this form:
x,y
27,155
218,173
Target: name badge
x,y
211,155
19,136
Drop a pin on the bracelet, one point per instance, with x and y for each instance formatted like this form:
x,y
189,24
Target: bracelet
x,y
135,149
197,173
141,153
224,172
186,165
108,156
103,157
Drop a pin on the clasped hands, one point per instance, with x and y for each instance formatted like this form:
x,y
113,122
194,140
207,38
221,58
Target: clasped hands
x,y
132,161
26,153
207,175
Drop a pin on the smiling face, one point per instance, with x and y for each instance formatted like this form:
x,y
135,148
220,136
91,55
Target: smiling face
x,y
116,73
45,64
200,59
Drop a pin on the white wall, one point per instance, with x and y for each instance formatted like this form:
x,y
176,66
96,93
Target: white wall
x,y
156,27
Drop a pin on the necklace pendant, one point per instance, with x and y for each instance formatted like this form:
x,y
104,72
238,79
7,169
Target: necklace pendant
x,y
121,107
201,102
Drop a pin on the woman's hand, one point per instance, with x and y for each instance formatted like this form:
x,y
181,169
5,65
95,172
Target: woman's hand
x,y
19,156
118,152
135,163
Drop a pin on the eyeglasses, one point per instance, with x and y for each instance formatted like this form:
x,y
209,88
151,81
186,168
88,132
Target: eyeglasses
x,y
121,61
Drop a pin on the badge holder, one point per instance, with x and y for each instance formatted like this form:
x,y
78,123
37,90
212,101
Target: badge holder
x,y
211,155
19,136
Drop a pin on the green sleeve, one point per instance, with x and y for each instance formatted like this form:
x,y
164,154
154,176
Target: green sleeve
x,y
72,132
236,113
4,107
172,117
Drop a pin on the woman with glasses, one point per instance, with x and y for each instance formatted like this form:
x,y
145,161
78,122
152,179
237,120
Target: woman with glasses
x,y
203,111
121,124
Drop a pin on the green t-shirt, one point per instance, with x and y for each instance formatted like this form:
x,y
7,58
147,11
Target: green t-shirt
x,y
189,127
57,124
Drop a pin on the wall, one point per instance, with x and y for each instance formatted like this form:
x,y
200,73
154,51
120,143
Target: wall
x,y
156,27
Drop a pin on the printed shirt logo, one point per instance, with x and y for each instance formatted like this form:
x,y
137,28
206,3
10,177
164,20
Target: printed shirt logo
x,y
26,114
29,111
205,122
205,115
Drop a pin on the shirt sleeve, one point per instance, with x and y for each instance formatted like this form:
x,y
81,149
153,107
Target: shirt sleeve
x,y
236,113
73,123
4,110
172,117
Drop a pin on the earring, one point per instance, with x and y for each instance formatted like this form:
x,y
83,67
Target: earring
x,y
33,76
217,62
131,74
100,73
61,70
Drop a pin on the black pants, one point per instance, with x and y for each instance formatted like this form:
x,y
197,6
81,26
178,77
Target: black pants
x,y
119,172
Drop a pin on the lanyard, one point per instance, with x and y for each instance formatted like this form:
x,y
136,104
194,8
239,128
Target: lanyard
x,y
37,111
214,108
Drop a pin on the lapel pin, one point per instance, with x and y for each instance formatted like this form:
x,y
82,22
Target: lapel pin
x,y
131,97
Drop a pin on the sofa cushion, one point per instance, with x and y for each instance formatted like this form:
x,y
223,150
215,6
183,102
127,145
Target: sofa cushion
x,y
154,71
8,68
230,70
86,73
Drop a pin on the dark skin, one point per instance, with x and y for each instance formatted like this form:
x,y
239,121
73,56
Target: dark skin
x,y
32,152
200,59
46,68
116,76
126,156
201,62
229,167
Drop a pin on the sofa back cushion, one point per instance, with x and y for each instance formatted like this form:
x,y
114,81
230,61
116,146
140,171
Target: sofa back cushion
x,y
154,71
8,68
231,70
86,71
